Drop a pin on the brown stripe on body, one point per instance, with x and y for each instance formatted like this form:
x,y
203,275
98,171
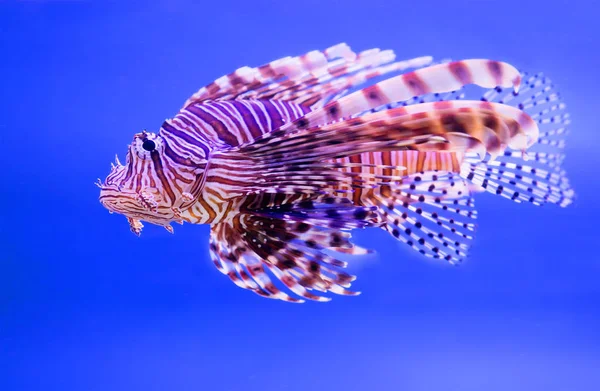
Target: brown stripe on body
x,y
212,215
158,168
261,113
229,207
356,169
420,162
275,117
386,160
169,128
223,181
230,112
282,109
251,121
150,177
177,158
177,177
219,127
191,211
456,162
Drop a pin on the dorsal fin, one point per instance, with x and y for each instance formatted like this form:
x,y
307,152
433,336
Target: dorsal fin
x,y
310,79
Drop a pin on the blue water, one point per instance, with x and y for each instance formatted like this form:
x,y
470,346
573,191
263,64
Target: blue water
x,y
86,305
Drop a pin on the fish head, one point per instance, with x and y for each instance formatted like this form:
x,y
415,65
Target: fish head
x,y
149,186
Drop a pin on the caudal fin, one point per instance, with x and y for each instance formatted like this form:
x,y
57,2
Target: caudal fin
x,y
536,176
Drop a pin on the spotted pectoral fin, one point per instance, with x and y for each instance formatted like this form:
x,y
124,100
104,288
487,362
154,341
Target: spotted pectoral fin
x,y
535,176
420,198
289,252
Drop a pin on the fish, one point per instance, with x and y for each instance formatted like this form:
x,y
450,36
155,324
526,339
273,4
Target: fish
x,y
285,160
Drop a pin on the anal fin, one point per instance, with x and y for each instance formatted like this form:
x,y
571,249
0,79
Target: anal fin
x,y
431,211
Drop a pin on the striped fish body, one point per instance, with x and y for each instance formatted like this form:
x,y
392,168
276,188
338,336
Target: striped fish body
x,y
202,127
282,162
225,124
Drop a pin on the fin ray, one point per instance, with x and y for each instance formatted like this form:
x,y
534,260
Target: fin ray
x,y
287,244
535,176
310,79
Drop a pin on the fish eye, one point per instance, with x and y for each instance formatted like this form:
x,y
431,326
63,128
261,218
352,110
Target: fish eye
x,y
144,144
149,145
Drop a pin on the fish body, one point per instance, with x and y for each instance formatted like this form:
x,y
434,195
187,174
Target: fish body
x,y
283,162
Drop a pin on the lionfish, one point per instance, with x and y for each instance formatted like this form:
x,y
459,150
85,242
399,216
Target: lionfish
x,y
285,159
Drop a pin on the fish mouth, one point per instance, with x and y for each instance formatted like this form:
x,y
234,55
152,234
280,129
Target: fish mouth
x,y
117,201
136,206
117,198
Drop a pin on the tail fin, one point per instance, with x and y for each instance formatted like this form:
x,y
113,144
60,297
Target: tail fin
x,y
536,176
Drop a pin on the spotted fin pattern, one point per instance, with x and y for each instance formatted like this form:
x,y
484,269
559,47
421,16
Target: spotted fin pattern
x,y
432,212
285,245
535,176
419,197
284,159
345,145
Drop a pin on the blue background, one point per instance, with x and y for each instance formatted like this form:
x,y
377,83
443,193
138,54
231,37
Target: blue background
x,y
85,305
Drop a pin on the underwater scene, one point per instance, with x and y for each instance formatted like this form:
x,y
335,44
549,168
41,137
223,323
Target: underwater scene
x,y
251,195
